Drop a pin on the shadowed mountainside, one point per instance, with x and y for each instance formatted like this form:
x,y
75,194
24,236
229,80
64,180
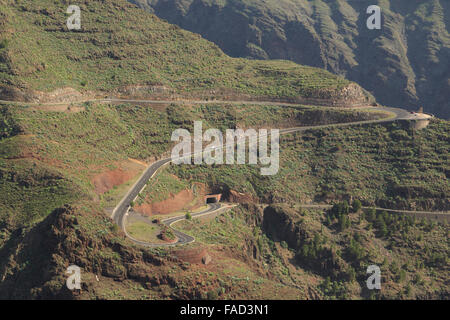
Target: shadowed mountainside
x,y
406,63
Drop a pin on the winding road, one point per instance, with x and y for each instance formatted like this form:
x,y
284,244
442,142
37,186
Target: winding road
x,y
182,238
121,211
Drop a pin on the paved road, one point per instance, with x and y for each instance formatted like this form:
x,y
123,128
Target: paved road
x,y
182,237
120,212
401,113
122,208
211,209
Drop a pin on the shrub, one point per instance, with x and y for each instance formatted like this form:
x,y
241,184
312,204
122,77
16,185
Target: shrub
x,y
212,295
356,205
333,289
114,228
344,222
355,251
371,215
3,43
339,209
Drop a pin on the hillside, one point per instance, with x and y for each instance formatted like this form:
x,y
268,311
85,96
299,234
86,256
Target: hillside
x,y
65,166
388,166
404,64
49,161
123,51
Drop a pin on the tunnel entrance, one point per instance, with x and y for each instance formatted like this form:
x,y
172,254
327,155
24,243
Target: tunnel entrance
x,y
213,198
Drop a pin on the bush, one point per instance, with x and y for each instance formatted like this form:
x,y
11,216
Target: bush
x,y
339,209
344,222
212,295
371,215
400,276
333,289
3,44
356,205
115,228
380,224
355,251
188,216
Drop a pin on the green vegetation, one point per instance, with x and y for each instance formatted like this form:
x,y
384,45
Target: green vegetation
x,y
144,231
44,160
356,205
370,163
52,156
161,187
166,233
120,45
51,215
335,260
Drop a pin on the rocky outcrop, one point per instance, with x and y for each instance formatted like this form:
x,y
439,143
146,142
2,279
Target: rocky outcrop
x,y
61,95
142,91
33,264
278,223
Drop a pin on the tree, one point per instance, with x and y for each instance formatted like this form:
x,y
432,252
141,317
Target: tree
x,y
351,274
188,216
3,44
401,276
371,215
329,222
212,295
381,226
344,222
356,205
339,209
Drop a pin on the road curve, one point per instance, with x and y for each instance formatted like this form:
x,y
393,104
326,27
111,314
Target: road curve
x,y
120,212
182,238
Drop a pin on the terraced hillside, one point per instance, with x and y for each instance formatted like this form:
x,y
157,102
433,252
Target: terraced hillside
x,y
123,51
406,63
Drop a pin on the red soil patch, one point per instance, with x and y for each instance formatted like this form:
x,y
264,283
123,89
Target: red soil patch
x,y
138,162
195,256
178,202
174,203
123,173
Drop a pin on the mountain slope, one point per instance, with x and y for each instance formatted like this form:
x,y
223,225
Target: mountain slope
x,y
52,216
121,49
406,63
